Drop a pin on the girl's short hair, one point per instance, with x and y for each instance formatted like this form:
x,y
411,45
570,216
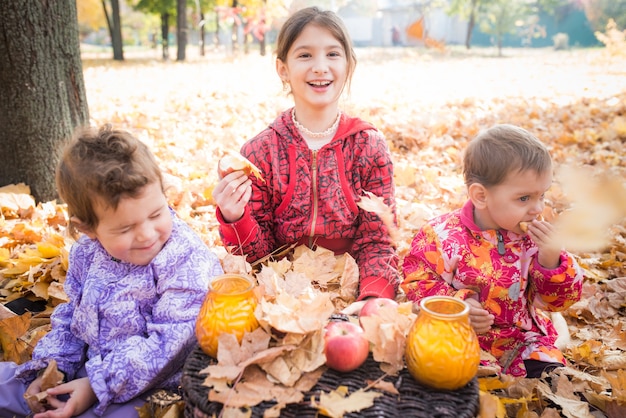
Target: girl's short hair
x,y
104,165
500,150
326,19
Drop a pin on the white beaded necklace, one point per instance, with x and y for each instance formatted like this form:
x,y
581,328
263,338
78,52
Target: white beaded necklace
x,y
312,134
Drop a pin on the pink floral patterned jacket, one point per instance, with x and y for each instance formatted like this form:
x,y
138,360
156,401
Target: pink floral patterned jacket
x,y
451,256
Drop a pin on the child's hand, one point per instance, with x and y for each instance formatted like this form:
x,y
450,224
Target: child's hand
x,y
543,234
81,397
30,395
480,319
232,194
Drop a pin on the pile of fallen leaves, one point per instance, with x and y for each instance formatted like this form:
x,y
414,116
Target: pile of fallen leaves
x,y
429,107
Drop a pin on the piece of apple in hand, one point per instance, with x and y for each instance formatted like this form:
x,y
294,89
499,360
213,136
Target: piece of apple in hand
x,y
233,161
345,346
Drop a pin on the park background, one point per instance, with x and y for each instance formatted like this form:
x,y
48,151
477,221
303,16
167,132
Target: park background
x,y
429,94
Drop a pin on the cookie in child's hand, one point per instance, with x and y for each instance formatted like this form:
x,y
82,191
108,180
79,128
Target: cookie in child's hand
x,y
524,225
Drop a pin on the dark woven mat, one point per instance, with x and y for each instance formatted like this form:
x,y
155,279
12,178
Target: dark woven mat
x,y
415,400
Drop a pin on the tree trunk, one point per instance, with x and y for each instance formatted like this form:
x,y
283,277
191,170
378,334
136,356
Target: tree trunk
x,y
116,39
262,46
262,23
181,29
470,26
41,83
234,37
202,34
217,28
165,33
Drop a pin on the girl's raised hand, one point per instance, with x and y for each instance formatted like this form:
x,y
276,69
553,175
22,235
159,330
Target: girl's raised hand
x,y
231,194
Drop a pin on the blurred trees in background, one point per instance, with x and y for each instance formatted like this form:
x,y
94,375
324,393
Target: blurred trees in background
x,y
240,23
527,18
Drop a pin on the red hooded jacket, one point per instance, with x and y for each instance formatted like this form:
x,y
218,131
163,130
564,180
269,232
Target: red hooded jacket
x,y
310,197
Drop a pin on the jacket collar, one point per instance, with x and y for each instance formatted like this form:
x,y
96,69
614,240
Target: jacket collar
x,y
348,126
467,219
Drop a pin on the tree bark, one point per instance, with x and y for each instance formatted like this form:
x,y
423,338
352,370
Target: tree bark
x,y
262,22
235,30
42,91
470,24
181,29
470,28
202,33
165,33
116,39
217,28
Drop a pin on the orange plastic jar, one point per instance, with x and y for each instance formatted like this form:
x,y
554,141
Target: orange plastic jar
x,y
442,349
228,307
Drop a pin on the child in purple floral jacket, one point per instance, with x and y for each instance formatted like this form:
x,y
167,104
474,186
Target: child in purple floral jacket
x,y
135,283
482,253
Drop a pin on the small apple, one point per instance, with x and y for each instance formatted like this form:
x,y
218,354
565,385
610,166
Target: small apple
x,y
373,306
345,346
233,162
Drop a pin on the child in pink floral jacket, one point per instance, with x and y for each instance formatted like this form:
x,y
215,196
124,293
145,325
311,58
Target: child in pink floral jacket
x,y
480,253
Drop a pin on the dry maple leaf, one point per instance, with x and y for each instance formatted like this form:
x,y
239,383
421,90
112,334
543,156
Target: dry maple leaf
x,y
598,202
375,204
50,378
11,330
571,408
387,333
16,201
491,406
338,402
299,315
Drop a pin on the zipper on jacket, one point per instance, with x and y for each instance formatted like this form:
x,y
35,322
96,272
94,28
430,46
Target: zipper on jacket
x,y
501,249
314,185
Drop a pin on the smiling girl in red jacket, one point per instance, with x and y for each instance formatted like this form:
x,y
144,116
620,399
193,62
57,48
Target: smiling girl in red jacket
x,y
316,163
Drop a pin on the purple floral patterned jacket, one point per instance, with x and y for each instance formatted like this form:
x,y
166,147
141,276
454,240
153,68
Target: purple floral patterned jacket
x,y
130,326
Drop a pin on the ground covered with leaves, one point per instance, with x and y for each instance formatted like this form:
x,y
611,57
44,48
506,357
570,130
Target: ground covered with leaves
x,y
429,105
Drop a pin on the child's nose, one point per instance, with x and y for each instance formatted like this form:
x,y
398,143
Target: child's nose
x,y
145,232
538,207
320,66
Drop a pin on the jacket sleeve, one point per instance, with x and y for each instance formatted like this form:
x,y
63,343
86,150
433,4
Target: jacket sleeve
x,y
253,234
556,289
182,272
428,270
60,343
373,249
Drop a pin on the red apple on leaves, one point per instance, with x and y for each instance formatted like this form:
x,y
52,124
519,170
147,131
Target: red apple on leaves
x,y
373,306
345,346
233,162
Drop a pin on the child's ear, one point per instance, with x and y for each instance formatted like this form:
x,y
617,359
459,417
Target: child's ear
x,y
82,227
478,195
281,69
